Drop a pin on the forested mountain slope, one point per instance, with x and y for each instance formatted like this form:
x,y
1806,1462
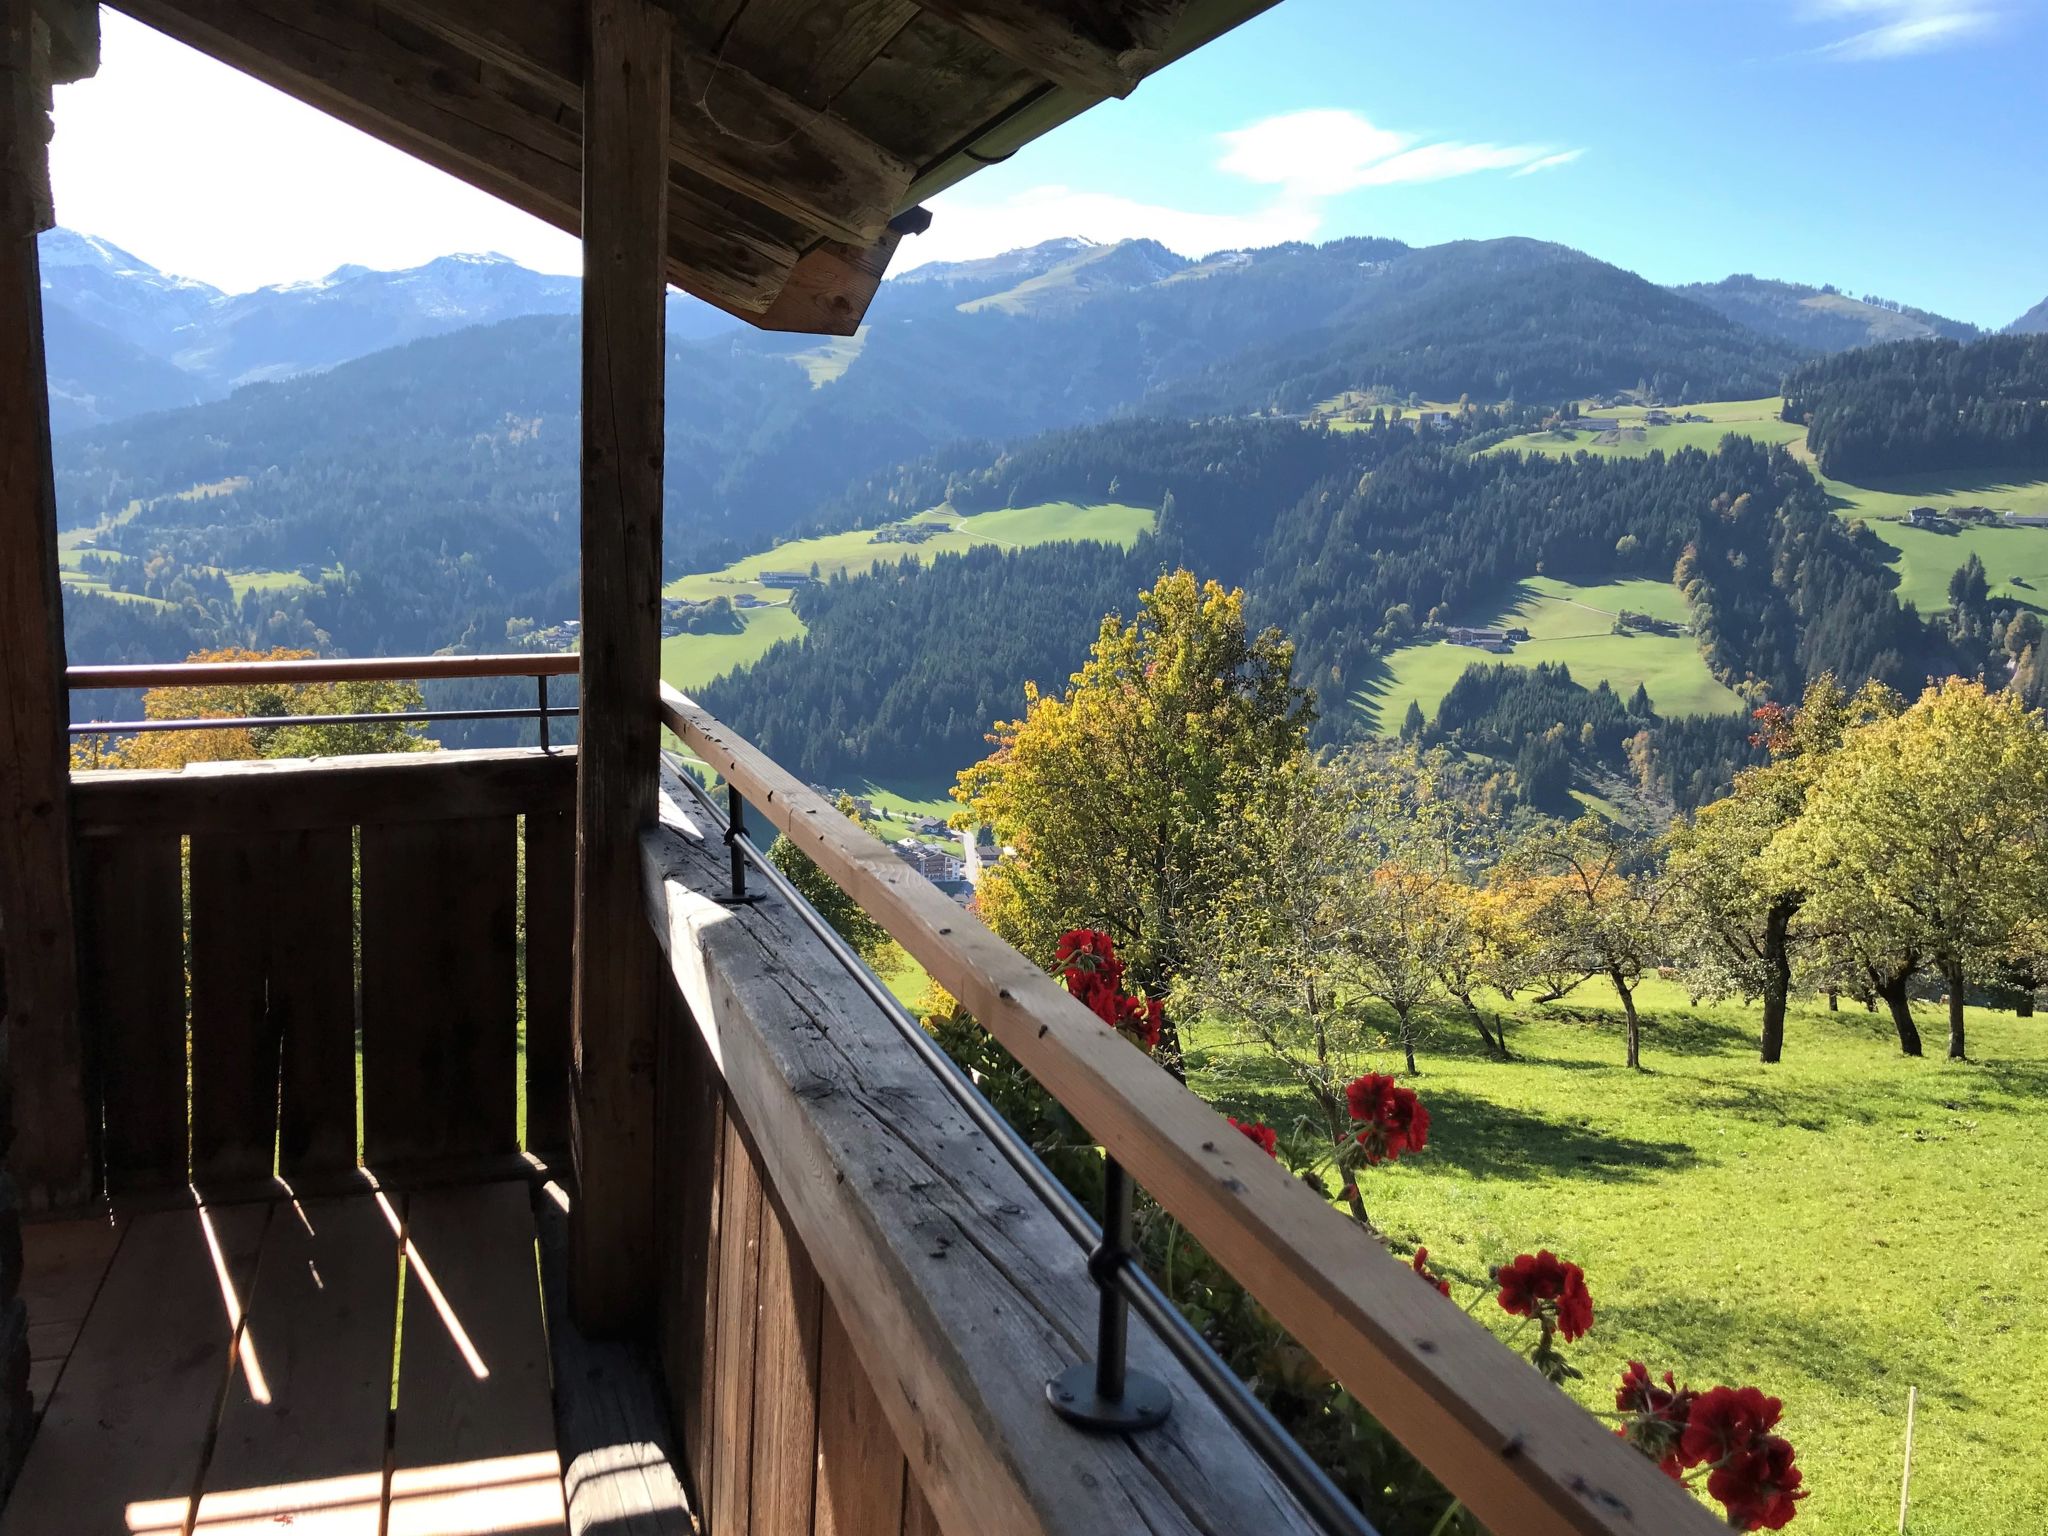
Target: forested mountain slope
x,y
1820,319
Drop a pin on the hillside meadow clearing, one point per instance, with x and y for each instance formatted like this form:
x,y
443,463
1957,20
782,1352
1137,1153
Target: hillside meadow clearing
x,y
1570,623
691,661
1637,439
1835,1229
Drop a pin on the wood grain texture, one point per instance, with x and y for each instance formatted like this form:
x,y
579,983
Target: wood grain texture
x,y
63,1265
861,1469
301,1438
689,1174
313,1000
728,1500
1099,50
325,669
51,1157
234,1042
439,1003
550,939
918,1519
611,1423
290,794
121,1443
473,1440
131,936
625,188
786,1347
953,1284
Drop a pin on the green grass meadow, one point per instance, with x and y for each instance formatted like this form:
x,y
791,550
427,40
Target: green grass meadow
x,y
1836,1229
1744,418
1568,623
691,661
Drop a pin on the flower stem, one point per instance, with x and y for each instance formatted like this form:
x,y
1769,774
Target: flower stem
x,y
1443,1521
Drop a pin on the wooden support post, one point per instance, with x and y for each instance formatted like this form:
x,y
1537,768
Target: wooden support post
x,y
51,1158
625,187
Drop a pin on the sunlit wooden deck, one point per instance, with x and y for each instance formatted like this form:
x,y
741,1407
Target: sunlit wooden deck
x,y
363,1363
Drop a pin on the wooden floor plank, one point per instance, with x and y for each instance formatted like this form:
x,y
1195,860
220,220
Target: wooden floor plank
x,y
301,1440
62,1265
121,1442
473,1447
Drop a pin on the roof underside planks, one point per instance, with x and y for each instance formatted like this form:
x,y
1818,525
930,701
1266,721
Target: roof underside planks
x,y
802,133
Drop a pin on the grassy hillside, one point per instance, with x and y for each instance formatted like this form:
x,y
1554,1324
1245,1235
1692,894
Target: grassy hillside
x,y
2016,559
1634,439
691,661
1834,1229
1568,623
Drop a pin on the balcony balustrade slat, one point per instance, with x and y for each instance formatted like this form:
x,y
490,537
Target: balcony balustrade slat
x,y
132,998
729,1504
312,1000
550,929
234,1039
690,1177
439,1004
861,1471
785,1378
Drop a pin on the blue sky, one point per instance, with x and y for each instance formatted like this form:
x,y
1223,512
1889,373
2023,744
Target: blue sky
x,y
1897,147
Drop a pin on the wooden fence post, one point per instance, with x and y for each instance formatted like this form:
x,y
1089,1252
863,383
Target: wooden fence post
x,y
625,192
51,1158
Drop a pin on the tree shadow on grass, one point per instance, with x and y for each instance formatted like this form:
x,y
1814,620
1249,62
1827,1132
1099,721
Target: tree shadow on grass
x,y
1482,1139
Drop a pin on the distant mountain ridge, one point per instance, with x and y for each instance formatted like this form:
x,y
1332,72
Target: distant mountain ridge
x,y
124,337
2033,323
1823,319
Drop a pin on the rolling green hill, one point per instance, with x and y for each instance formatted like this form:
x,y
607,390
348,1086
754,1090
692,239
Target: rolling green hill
x,y
1567,623
691,661
1635,439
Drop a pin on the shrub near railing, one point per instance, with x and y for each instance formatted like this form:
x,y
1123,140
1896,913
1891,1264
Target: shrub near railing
x,y
1721,1438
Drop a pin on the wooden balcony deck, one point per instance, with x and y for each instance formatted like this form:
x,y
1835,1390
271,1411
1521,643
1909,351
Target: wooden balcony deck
x,y
349,1365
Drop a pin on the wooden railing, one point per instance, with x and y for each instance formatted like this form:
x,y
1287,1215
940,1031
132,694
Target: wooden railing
x,y
290,966
1519,1454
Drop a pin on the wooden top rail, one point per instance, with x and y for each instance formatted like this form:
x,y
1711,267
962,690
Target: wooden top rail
x,y
1520,1455
332,669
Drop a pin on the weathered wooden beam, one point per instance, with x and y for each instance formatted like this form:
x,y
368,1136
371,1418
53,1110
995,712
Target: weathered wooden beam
x,y
1099,47
625,216
74,38
51,1158
1521,1456
299,794
959,1293
830,288
724,123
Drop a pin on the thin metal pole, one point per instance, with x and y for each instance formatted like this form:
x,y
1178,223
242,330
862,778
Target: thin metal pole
x,y
542,680
1113,1321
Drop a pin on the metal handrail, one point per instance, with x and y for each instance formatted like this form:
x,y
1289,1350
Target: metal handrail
x,y
1308,1482
197,674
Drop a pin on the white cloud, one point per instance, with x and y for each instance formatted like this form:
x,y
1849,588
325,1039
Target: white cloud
x,y
1309,157
1898,28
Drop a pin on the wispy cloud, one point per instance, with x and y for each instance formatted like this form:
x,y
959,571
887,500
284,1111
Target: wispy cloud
x,y
1326,152
1306,157
1894,29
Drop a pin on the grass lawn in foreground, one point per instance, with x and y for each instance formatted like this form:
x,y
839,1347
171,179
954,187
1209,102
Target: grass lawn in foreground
x,y
1834,1229
1567,623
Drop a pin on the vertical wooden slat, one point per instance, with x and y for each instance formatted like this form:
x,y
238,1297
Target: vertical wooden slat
x,y
439,1010
625,191
731,1429
132,999
51,1157
918,1519
550,932
861,1470
234,1046
785,1380
691,1124
313,999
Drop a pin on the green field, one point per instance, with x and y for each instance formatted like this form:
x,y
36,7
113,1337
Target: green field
x,y
1834,1229
691,661
1927,559
1568,623
1745,418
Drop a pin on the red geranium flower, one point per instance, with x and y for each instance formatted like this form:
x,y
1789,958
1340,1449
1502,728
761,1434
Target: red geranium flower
x,y
1264,1136
1725,1422
1420,1264
1145,1020
1656,1415
1088,965
1759,1486
1392,1118
1545,1287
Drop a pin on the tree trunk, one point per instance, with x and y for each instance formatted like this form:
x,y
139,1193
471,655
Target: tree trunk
x,y
1834,1000
1496,1043
1952,973
1408,1045
1892,988
1628,1007
1777,981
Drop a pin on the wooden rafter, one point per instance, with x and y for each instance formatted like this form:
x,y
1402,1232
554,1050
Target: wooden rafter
x,y
1096,47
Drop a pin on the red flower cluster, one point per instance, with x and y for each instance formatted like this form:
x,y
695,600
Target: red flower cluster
x,y
1750,1471
1420,1264
1088,965
1264,1136
1545,1287
1392,1120
1656,1416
